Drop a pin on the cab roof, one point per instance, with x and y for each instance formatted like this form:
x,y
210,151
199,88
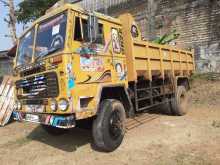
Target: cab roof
x,y
56,10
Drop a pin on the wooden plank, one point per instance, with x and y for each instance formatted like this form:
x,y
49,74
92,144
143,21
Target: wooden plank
x,y
2,85
139,120
6,100
4,109
4,93
9,110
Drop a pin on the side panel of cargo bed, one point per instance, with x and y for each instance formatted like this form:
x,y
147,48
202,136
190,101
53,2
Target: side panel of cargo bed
x,y
148,59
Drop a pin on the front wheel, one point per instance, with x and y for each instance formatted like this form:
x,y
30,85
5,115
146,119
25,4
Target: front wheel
x,y
109,126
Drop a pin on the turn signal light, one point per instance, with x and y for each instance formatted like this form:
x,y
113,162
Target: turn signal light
x,y
53,105
56,60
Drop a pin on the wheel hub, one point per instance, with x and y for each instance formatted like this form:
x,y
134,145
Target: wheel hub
x,y
115,125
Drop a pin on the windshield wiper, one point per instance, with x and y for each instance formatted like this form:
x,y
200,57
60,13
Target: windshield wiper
x,y
47,53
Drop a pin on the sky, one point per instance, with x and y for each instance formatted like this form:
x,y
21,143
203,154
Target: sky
x,y
5,42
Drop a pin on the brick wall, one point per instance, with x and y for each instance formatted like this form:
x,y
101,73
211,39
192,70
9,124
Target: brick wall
x,y
197,21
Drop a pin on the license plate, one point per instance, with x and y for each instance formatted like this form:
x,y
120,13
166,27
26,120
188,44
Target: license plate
x,y
35,108
33,118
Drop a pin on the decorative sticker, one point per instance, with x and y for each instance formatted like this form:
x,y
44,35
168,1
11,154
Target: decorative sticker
x,y
104,77
107,45
115,41
53,22
134,31
56,30
87,50
120,71
71,81
91,64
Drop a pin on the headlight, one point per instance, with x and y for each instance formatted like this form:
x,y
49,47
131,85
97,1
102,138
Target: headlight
x,y
63,104
53,105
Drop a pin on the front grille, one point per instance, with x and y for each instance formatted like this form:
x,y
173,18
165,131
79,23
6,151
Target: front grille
x,y
39,86
32,69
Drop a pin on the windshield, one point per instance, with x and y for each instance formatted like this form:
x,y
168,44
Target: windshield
x,y
51,36
25,48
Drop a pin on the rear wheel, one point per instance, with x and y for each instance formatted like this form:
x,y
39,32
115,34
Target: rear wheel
x,y
53,130
109,126
165,108
179,103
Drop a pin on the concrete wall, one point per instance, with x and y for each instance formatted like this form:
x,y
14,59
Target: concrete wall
x,y
197,21
6,64
6,67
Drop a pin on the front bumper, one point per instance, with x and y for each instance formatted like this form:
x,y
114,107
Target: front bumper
x,y
65,122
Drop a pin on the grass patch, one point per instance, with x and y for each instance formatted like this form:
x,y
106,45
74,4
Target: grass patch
x,y
206,76
216,124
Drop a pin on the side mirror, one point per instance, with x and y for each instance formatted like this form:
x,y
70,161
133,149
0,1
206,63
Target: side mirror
x,y
93,28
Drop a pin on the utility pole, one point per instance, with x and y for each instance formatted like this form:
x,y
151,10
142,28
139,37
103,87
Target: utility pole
x,y
11,19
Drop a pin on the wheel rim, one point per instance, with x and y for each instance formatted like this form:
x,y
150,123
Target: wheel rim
x,y
115,125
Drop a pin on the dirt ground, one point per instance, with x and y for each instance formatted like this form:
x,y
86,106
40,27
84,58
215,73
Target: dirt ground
x,y
193,139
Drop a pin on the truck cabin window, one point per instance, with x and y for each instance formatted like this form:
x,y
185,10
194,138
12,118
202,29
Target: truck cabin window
x,y
25,48
81,34
51,36
78,32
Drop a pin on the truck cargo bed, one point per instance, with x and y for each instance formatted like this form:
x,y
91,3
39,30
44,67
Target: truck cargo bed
x,y
148,59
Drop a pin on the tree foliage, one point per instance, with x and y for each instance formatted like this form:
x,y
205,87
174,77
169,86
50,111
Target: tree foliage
x,y
29,10
167,38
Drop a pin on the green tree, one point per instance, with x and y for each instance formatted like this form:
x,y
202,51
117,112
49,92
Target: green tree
x,y
29,10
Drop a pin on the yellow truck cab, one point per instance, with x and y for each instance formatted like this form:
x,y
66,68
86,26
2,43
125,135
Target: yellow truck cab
x,y
73,65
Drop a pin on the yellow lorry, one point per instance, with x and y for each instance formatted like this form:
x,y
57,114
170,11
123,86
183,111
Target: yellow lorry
x,y
72,65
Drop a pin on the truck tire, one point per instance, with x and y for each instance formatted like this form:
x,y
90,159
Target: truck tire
x,y
165,108
109,126
53,130
179,102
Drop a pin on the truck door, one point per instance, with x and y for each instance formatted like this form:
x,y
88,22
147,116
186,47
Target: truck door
x,y
92,62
